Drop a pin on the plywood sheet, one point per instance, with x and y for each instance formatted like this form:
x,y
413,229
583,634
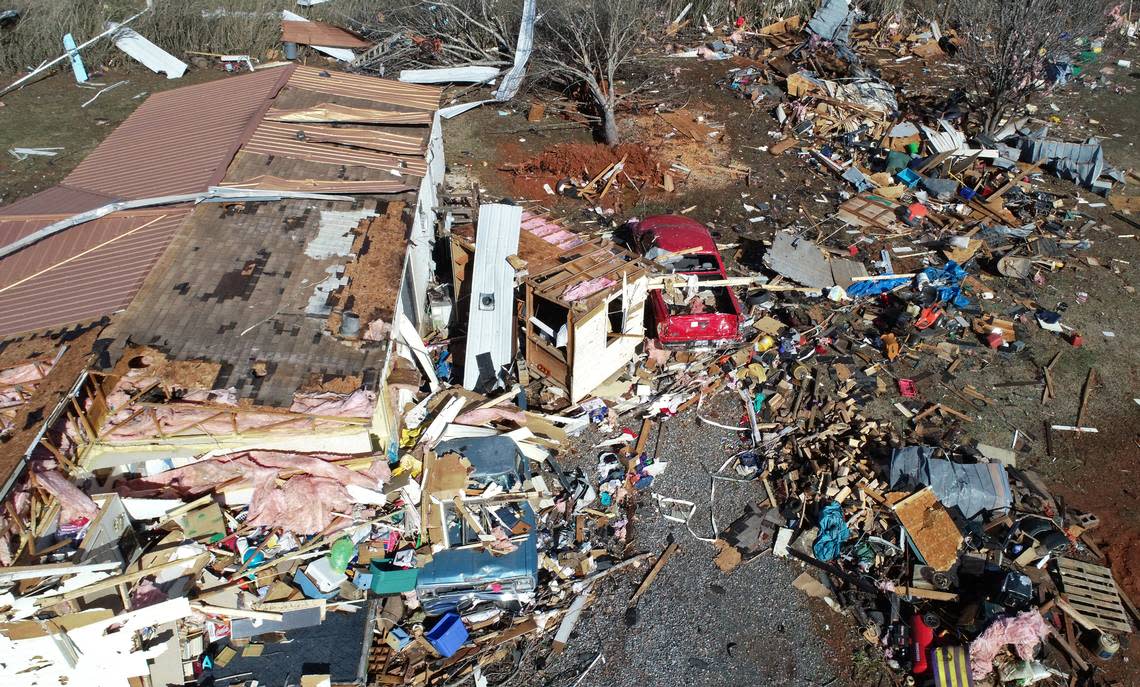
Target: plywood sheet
x,y
930,528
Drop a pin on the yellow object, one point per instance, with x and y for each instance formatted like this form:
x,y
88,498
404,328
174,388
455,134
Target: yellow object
x,y
410,465
765,343
757,371
409,437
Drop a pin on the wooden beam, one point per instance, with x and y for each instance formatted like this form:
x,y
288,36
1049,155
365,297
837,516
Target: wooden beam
x,y
1086,393
110,582
653,572
30,572
236,612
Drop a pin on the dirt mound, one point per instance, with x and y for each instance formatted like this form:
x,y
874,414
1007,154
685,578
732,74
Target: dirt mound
x,y
581,161
588,160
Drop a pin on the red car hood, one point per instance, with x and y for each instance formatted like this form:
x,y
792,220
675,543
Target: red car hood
x,y
676,233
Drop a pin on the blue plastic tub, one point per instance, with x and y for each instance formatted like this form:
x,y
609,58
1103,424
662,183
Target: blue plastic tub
x,y
448,634
908,176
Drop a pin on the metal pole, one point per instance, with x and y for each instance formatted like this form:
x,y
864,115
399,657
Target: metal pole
x,y
47,65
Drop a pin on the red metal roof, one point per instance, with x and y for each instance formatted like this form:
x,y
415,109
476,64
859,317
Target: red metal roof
x,y
411,96
320,33
81,274
179,141
57,199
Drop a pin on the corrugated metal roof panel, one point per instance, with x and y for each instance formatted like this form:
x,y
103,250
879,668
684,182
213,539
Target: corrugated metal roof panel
x,y
281,139
367,88
470,74
183,141
179,141
332,112
319,33
57,199
82,274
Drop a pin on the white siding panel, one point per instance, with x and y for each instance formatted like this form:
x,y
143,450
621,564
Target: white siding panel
x,y
490,323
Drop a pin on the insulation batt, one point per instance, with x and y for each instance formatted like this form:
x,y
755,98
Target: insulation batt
x,y
359,403
305,504
1024,631
74,504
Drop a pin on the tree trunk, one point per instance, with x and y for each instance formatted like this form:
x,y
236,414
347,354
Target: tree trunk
x,y
607,105
609,125
994,115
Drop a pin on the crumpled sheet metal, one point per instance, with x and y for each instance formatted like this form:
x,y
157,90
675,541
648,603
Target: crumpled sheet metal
x,y
512,81
948,140
799,260
872,94
1024,631
1079,162
833,22
306,503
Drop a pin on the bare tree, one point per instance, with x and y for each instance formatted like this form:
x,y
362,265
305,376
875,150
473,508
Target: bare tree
x,y
589,44
1007,45
585,46
428,33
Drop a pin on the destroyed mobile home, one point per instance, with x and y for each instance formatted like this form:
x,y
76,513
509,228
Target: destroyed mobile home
x,y
303,413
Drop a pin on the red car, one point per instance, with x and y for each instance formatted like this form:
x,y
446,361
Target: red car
x,y
710,317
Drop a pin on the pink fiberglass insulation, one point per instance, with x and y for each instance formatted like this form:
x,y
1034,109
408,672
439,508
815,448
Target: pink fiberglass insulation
x,y
24,374
188,419
481,416
74,504
306,503
303,505
359,403
587,288
1024,631
10,398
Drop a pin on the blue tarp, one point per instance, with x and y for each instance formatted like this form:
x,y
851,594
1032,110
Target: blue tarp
x,y
832,533
972,487
948,279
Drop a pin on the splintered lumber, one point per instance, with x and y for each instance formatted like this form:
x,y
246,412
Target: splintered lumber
x,y
920,593
28,572
653,572
1086,392
643,436
115,581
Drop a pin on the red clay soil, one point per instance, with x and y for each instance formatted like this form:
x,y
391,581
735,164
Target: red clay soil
x,y
580,161
1106,485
